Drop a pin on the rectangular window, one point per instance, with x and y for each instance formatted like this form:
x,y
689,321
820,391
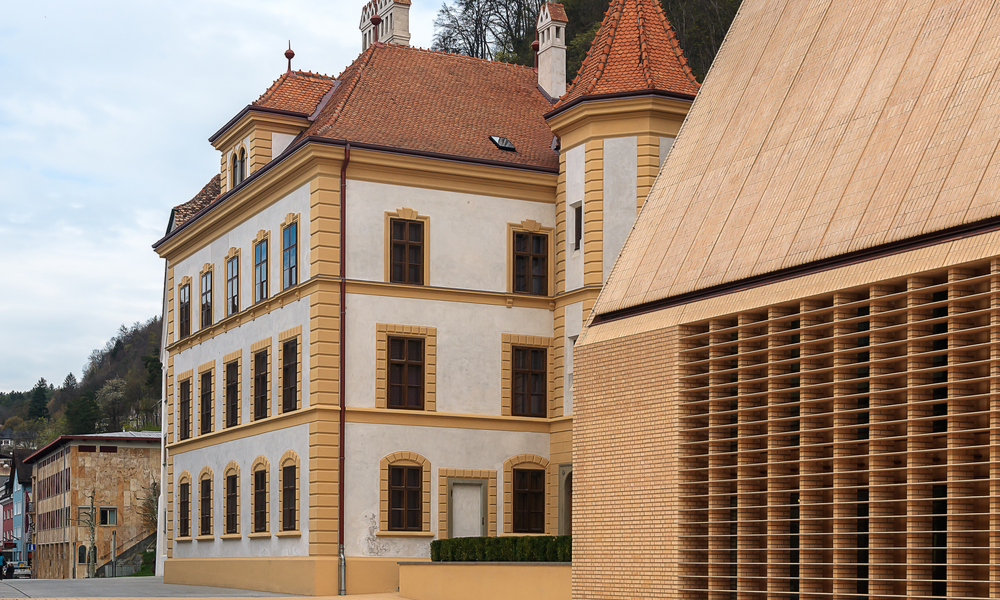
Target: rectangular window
x,y
206,507
260,501
531,266
184,311
260,271
577,226
232,497
529,501
206,402
530,395
290,256
184,508
185,409
407,252
288,498
109,516
289,375
233,286
405,499
232,394
206,299
260,385
406,373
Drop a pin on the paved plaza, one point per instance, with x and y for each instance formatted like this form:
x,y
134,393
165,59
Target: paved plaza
x,y
135,587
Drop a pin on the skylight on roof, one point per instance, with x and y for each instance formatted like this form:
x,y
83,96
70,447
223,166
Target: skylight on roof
x,y
503,143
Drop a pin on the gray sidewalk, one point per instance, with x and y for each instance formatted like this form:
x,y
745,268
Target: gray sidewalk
x,y
122,587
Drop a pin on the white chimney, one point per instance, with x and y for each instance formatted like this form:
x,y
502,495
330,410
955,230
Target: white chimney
x,y
552,49
392,25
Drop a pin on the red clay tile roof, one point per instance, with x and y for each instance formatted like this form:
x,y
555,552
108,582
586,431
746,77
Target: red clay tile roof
x,y
557,12
297,91
635,49
427,101
202,199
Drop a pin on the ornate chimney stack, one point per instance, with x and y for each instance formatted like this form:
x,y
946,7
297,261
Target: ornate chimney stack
x,y
385,22
551,57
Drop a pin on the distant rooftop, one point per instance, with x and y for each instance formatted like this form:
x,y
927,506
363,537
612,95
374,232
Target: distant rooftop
x,y
115,436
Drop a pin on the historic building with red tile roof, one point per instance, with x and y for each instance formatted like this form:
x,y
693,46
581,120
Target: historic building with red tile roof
x,y
371,309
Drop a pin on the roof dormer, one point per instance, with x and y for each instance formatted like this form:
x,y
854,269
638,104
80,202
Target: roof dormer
x,y
266,128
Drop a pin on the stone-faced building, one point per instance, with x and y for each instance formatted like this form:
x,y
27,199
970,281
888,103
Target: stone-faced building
x,y
790,385
371,309
117,469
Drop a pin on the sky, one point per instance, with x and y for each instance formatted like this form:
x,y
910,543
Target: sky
x,y
105,112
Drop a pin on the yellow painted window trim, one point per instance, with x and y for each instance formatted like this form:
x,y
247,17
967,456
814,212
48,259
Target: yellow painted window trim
x,y
444,503
233,253
184,477
405,534
260,464
429,335
530,226
210,270
410,459
407,214
508,342
289,456
230,358
294,333
288,533
232,468
523,460
208,367
256,348
189,377
207,474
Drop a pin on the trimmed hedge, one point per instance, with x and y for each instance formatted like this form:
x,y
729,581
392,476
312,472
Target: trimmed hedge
x,y
541,548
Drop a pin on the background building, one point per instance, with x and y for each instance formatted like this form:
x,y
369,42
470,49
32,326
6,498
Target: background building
x,y
117,469
19,487
370,311
789,385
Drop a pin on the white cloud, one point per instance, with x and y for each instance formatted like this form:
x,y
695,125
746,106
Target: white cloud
x,y
105,111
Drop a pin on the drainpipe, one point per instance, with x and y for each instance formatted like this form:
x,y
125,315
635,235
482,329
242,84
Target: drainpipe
x,y
343,361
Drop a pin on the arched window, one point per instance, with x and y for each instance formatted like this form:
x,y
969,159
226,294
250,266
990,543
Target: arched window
x,y
524,494
205,499
260,504
243,164
231,480
405,494
288,490
82,554
184,505
235,171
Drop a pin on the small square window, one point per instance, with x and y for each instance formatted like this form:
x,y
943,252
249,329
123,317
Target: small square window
x,y
109,516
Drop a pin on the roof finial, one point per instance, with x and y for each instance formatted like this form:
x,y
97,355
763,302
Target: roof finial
x,y
289,54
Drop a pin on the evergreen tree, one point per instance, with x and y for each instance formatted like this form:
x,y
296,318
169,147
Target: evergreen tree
x,y
38,407
82,414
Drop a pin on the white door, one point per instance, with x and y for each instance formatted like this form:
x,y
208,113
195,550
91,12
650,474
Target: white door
x,y
467,509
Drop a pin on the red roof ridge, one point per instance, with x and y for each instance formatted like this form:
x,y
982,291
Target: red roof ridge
x,y
349,88
274,87
676,45
464,56
605,52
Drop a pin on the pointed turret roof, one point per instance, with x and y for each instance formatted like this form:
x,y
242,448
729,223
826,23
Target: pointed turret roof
x,y
635,49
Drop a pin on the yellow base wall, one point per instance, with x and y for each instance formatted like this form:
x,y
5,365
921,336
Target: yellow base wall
x,y
307,576
485,581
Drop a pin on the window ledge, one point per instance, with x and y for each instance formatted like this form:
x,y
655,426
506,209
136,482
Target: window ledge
x,y
405,534
259,534
514,534
231,536
185,538
205,538
290,533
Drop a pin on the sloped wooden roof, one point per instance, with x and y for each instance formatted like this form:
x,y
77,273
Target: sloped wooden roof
x,y
824,127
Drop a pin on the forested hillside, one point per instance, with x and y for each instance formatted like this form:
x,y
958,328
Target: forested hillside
x,y
504,29
120,389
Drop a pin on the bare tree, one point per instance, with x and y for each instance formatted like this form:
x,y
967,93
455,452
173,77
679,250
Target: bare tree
x,y
148,508
88,518
490,29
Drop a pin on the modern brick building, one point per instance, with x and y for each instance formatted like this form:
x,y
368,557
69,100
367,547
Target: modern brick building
x,y
790,384
370,311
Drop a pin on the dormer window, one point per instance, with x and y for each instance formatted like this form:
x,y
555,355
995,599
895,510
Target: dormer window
x,y
239,167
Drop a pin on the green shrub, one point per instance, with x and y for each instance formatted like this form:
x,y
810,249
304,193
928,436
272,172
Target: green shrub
x,y
543,548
